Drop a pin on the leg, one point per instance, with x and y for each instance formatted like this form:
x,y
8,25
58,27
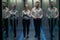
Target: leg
x,y
24,27
38,28
51,29
28,24
38,33
35,25
14,28
6,24
54,22
59,28
11,23
49,25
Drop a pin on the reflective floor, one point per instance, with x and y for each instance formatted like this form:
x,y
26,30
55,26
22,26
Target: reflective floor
x,y
45,35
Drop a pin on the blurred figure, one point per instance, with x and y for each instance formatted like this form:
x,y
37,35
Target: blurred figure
x,y
26,20
5,16
52,15
37,14
13,19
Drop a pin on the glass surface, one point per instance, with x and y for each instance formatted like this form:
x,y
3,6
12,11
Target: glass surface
x,y
29,2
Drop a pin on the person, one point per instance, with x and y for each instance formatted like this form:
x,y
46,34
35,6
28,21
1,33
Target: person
x,y
13,19
52,15
5,16
37,14
26,15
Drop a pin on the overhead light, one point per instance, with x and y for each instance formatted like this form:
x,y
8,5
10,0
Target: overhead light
x,y
51,0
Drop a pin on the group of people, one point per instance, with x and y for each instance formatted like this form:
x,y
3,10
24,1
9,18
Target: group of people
x,y
36,13
9,15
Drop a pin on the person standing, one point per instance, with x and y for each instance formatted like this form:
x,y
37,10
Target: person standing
x,y
37,14
13,19
52,15
5,16
26,15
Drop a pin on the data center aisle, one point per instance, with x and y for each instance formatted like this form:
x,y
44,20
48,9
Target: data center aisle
x,y
45,35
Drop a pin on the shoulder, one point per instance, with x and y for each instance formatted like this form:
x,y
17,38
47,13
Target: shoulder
x,y
40,9
7,8
23,11
29,11
10,11
16,10
49,8
33,9
56,8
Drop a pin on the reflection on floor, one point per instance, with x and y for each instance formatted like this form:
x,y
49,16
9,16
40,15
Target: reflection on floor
x,y
45,35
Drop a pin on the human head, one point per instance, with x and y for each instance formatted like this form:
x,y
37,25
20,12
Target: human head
x,y
4,4
51,4
26,6
37,4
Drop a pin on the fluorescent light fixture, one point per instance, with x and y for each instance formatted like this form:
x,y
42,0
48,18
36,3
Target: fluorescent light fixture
x,y
51,0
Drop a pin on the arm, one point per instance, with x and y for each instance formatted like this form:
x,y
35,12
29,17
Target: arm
x,y
32,14
57,13
17,14
8,14
29,14
48,14
41,15
22,14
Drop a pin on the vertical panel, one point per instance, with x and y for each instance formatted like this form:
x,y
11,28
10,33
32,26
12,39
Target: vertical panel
x,y
20,5
12,1
45,4
29,2
57,1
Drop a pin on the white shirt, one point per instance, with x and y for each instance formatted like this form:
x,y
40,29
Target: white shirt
x,y
5,13
26,14
52,13
38,13
13,14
